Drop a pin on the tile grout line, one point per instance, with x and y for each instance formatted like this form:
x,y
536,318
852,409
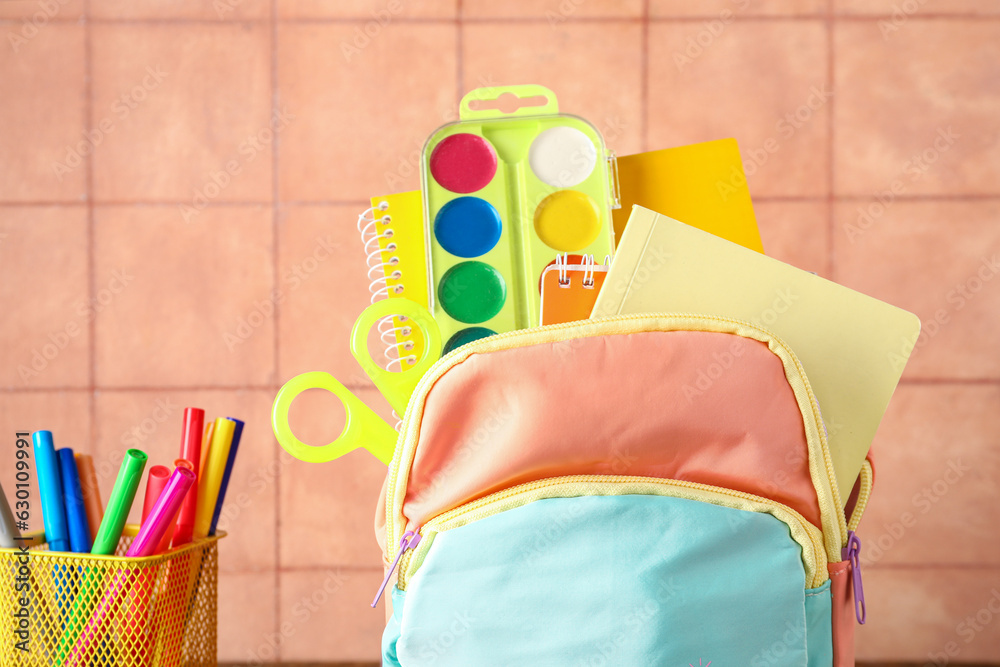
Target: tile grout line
x,y
971,382
137,388
830,143
911,198
644,73
665,18
958,381
88,111
275,323
459,52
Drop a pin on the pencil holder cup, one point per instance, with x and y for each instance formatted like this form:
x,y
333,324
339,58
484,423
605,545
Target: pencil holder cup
x,y
81,610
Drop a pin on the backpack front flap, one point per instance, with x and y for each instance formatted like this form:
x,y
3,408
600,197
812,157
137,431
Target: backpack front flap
x,y
707,400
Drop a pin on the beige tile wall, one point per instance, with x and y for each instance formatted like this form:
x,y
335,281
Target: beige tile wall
x,y
165,167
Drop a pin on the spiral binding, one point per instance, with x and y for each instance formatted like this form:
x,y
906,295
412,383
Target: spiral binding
x,y
589,266
379,270
562,263
374,229
588,271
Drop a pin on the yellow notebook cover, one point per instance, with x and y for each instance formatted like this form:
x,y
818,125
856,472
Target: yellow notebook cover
x,y
402,252
852,347
702,185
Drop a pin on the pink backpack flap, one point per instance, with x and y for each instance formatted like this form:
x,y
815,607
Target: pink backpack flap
x,y
705,400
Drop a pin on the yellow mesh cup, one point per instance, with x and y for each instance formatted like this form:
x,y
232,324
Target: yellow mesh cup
x,y
90,611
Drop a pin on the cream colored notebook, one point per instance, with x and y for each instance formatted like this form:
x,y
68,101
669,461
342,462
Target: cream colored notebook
x,y
853,347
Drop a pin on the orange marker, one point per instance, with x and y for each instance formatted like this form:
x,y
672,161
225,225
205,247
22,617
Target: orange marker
x,y
91,492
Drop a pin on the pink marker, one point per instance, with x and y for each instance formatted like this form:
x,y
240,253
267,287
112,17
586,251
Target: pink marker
x,y
163,514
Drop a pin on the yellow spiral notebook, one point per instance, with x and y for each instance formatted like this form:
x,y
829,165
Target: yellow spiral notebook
x,y
853,347
393,237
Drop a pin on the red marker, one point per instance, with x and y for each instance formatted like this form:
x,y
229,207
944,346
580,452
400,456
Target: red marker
x,y
194,419
158,476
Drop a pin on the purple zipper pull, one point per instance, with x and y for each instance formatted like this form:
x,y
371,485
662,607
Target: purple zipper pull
x,y
852,552
410,539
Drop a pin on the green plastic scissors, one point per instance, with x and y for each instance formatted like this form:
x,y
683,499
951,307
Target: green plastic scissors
x,y
363,427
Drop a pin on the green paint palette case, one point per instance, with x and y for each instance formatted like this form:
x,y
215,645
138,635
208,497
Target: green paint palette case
x,y
506,189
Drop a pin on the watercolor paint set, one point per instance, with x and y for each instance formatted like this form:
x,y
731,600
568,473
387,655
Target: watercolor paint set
x,y
506,189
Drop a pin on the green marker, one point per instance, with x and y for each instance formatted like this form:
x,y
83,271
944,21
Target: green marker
x,y
129,476
105,544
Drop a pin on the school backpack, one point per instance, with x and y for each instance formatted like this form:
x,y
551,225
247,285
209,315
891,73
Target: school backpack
x,y
640,490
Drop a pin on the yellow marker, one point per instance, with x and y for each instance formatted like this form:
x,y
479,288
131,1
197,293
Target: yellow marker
x,y
210,476
206,447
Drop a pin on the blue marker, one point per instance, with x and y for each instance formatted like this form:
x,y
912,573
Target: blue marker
x,y
237,433
51,490
76,512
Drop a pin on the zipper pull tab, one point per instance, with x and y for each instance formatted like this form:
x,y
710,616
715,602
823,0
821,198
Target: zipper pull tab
x,y
410,539
852,552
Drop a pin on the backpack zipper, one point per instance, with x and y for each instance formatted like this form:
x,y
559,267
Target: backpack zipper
x,y
831,507
864,494
411,538
807,535
852,552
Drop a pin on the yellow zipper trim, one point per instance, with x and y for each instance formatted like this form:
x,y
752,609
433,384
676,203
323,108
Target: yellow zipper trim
x,y
864,493
808,536
833,521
